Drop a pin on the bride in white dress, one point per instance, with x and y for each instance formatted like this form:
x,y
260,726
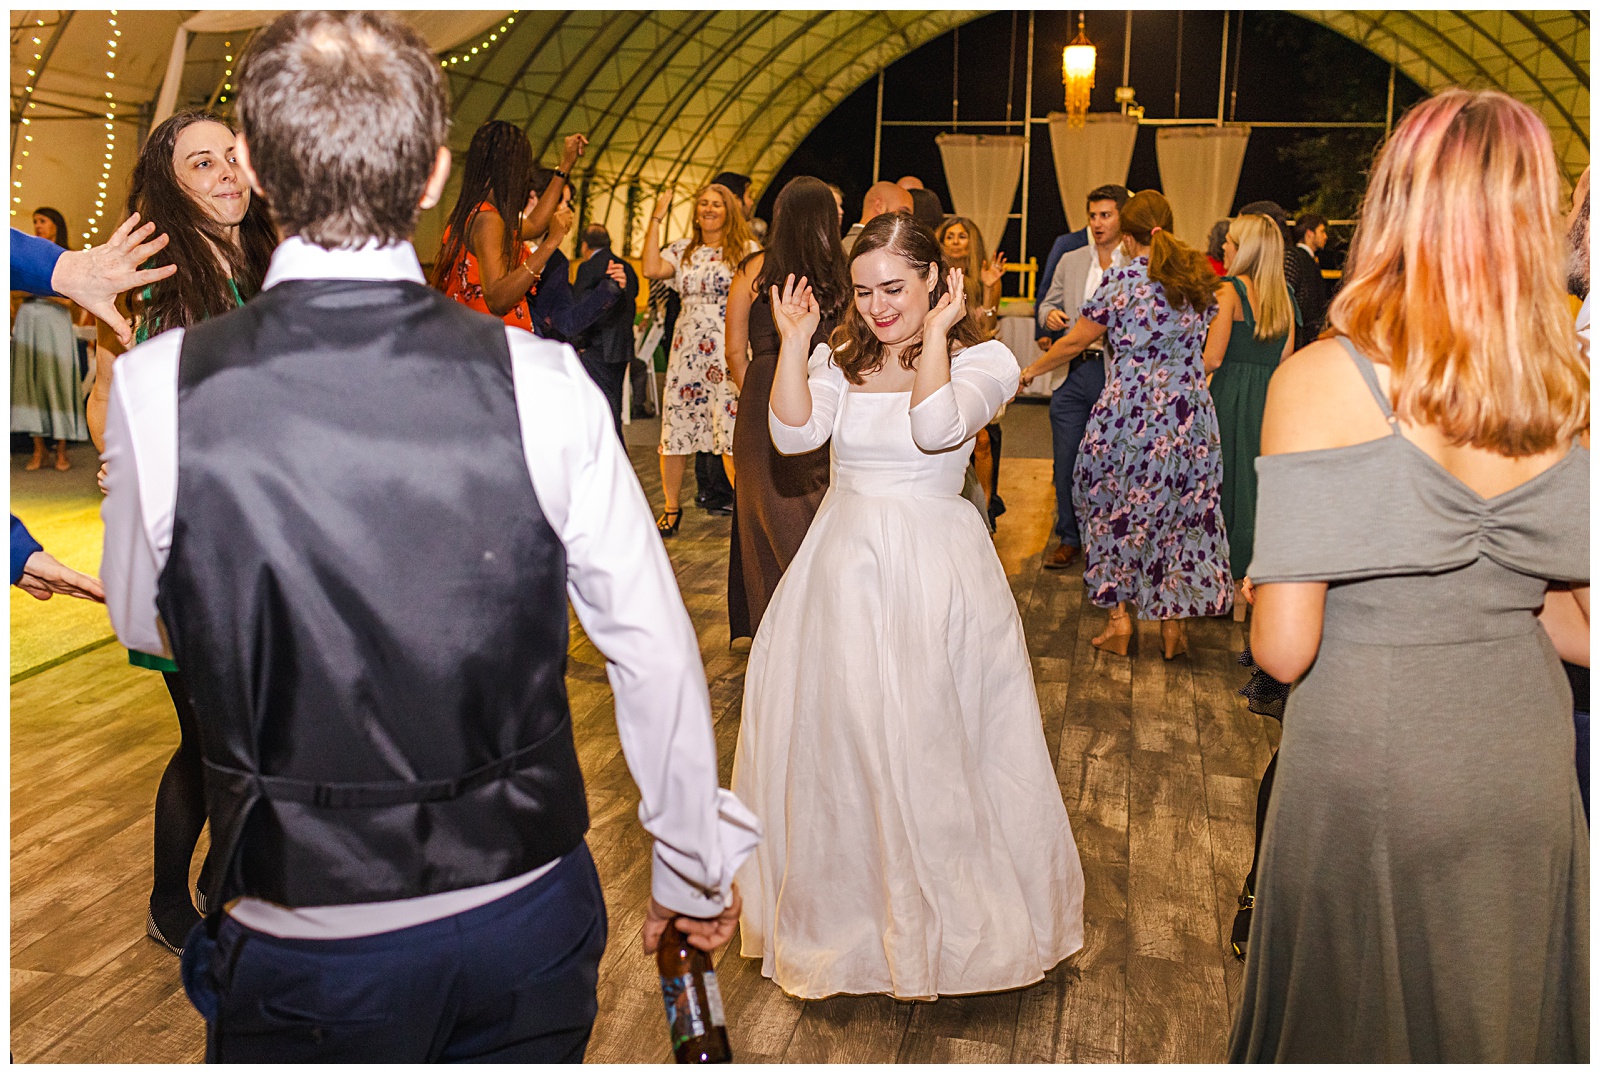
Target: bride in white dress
x,y
891,743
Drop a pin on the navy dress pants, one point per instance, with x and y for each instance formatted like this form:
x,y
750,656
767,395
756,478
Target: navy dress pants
x,y
511,981
1070,404
608,377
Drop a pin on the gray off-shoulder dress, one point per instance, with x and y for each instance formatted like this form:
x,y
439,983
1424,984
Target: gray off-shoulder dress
x,y
1424,883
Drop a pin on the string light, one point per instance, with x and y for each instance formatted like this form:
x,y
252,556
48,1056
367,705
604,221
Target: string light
x,y
466,57
112,44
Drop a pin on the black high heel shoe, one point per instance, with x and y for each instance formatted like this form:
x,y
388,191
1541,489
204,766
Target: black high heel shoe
x,y
1240,941
665,528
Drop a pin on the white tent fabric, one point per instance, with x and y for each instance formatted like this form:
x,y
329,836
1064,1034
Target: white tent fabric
x,y
1199,174
441,29
1093,155
983,172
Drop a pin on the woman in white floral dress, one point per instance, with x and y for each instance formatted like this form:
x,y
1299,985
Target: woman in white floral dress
x,y
701,402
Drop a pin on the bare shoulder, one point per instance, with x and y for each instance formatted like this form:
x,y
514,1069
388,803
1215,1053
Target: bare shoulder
x,y
1317,400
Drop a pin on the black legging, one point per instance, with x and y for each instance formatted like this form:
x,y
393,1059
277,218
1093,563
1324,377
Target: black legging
x,y
180,806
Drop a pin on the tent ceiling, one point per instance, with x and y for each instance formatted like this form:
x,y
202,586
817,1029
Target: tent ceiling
x,y
672,97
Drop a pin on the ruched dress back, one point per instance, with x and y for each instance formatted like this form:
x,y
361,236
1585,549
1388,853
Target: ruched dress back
x,y
1424,882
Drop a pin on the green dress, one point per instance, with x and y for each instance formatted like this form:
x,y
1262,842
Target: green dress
x,y
151,661
1239,390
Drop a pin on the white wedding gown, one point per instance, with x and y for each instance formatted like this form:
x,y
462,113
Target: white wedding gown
x,y
916,842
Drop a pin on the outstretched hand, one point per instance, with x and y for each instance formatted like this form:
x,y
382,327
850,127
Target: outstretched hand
x,y
43,576
571,149
663,200
617,275
94,278
795,310
951,307
993,271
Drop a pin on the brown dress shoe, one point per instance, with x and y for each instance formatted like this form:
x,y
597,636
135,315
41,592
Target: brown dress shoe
x,y
1061,558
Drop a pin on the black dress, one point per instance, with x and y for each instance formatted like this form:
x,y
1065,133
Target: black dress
x,y
775,495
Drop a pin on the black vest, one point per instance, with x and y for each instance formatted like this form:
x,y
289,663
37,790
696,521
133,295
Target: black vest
x,y
367,602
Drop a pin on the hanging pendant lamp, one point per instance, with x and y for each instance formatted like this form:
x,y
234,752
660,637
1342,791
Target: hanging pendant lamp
x,y
1077,75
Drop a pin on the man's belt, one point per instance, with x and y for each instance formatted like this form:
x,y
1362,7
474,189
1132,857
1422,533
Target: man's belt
x,y
1097,354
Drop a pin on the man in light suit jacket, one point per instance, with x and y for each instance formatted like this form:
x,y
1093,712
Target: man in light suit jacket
x,y
1077,274
605,346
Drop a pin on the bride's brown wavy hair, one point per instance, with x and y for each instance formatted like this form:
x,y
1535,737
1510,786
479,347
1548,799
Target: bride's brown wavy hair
x,y
857,351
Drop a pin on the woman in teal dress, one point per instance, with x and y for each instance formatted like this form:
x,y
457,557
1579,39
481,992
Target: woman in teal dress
x,y
188,182
1241,363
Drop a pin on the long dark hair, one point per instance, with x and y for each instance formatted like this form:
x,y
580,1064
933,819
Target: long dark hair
x,y
804,240
199,289
499,170
856,350
57,219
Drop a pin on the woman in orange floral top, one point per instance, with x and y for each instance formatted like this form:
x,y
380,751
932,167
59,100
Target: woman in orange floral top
x,y
482,262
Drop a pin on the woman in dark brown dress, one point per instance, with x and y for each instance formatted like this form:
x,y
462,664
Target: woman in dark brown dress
x,y
776,495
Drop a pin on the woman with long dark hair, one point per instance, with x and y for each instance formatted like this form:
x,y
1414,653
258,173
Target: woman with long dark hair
x,y
777,494
46,384
914,838
1148,482
482,262
189,184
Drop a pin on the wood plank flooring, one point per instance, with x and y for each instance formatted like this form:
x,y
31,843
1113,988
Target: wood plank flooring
x,y
1158,765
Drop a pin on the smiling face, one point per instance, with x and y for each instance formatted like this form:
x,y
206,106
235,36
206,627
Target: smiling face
x,y
207,166
44,227
710,213
956,242
891,295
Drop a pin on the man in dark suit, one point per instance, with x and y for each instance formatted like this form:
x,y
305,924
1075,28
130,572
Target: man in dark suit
x,y
605,345
1310,234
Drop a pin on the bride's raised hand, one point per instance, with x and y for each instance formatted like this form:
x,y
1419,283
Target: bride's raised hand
x,y
795,310
951,307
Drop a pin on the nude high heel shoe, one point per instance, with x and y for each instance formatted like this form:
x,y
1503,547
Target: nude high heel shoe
x,y
1174,638
1117,634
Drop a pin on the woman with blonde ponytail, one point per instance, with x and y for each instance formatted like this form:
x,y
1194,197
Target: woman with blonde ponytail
x,y
1253,330
1421,567
1148,480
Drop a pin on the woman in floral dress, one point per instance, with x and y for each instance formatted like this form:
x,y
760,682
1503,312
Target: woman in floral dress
x,y
701,401
1149,476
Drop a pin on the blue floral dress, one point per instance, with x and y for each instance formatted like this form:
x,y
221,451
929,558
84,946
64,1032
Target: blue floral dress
x,y
1148,481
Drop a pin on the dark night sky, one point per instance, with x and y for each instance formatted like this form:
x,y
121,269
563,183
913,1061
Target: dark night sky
x,y
1289,69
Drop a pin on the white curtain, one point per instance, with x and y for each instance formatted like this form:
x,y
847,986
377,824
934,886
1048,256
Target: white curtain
x,y
1199,174
440,29
1093,155
983,172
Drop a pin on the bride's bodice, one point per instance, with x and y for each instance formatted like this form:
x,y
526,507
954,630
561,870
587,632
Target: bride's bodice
x,y
882,446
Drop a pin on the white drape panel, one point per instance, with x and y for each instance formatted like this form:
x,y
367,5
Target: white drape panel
x,y
440,29
983,172
1199,174
1093,155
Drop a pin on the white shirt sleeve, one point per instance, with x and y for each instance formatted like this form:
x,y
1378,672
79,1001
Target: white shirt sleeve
x,y
827,385
625,594
982,379
141,460
672,254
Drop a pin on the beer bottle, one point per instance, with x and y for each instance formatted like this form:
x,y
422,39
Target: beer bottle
x,y
694,1003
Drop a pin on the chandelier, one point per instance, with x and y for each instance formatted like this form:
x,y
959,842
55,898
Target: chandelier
x,y
1077,75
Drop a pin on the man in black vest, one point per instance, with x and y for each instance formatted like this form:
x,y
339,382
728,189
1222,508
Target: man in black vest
x,y
362,508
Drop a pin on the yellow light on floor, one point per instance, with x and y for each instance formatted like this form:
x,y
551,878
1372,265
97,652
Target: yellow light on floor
x,y
1077,75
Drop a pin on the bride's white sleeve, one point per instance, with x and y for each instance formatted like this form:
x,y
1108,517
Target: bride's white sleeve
x,y
982,379
827,384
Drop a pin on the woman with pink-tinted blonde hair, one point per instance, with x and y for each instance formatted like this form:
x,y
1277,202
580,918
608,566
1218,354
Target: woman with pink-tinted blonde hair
x,y
1421,566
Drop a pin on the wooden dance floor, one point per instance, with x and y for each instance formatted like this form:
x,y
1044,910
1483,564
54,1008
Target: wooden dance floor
x,y
1158,765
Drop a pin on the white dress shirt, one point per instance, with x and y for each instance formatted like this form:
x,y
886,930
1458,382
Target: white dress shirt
x,y
618,578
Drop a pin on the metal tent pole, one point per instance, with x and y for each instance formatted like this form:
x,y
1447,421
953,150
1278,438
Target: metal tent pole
x,y
1177,79
1388,114
1027,144
877,134
1222,72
